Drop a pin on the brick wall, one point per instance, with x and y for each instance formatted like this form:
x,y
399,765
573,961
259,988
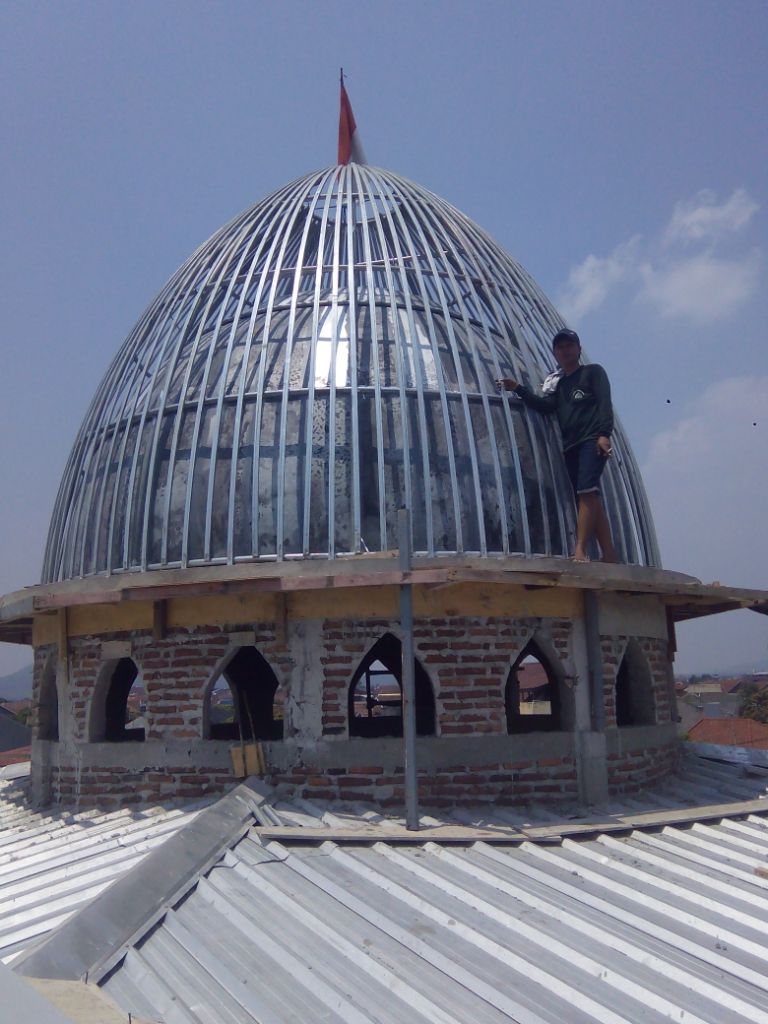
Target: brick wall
x,y
110,787
467,661
632,771
495,783
655,652
176,672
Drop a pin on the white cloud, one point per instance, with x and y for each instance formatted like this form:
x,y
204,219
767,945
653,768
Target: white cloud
x,y
701,219
588,284
704,288
708,489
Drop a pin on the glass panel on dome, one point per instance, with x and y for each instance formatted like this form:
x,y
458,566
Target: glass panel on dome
x,y
121,498
368,458
235,367
490,498
531,475
388,369
466,483
254,357
94,505
344,538
138,497
467,340
509,498
418,478
394,479
447,362
318,498
408,347
293,478
179,485
441,487
269,452
107,504
301,349
220,508
157,497
199,496
365,349
276,348
217,357
242,514
332,348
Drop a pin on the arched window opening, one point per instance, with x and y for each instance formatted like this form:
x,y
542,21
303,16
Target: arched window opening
x,y
376,695
635,704
125,704
244,702
48,704
532,695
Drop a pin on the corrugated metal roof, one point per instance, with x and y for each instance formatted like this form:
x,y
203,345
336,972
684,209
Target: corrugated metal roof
x,y
374,924
53,861
647,927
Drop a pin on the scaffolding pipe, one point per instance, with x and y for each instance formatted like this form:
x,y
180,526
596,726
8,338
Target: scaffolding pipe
x,y
409,682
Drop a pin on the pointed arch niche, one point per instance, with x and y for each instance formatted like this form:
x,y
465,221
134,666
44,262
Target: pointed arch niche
x,y
115,708
244,700
635,701
535,695
376,694
48,703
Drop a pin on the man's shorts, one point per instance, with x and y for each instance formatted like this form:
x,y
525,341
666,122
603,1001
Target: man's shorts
x,y
585,465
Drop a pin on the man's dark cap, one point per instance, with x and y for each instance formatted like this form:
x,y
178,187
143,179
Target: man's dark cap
x,y
566,335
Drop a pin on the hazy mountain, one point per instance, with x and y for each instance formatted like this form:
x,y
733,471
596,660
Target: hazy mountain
x,y
17,685
744,668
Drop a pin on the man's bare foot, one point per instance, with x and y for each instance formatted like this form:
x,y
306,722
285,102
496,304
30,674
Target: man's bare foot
x,y
579,556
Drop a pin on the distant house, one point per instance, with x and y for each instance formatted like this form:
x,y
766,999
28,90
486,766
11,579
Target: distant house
x,y
15,707
730,732
17,756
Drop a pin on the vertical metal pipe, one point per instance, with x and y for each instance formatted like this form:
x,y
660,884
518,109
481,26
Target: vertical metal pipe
x,y
409,682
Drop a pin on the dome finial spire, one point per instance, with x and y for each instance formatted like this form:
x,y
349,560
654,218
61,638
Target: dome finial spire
x,y
350,147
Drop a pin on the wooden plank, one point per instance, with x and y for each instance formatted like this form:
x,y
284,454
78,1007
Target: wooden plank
x,y
109,618
45,630
226,609
389,834
447,834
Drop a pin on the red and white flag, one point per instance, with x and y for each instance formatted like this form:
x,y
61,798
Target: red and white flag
x,y
350,147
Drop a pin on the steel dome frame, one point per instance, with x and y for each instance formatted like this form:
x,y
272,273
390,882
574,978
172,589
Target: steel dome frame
x,y
393,314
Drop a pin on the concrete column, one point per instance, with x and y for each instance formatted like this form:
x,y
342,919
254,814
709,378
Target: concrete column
x,y
591,762
304,708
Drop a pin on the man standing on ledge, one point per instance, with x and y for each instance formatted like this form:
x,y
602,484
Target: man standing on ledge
x,y
581,397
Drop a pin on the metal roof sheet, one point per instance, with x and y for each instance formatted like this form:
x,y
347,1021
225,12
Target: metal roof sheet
x,y
373,924
53,861
639,928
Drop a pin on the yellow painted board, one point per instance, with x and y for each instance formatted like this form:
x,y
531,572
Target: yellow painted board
x,y
454,599
109,618
237,609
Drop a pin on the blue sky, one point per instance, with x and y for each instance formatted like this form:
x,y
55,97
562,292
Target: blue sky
x,y
617,150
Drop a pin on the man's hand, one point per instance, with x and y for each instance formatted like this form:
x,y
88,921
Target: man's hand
x,y
507,384
604,446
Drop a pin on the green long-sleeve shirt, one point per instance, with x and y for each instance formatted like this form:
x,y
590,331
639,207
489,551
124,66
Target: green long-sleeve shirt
x,y
582,402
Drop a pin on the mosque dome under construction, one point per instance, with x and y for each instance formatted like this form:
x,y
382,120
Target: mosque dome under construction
x,y
325,359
